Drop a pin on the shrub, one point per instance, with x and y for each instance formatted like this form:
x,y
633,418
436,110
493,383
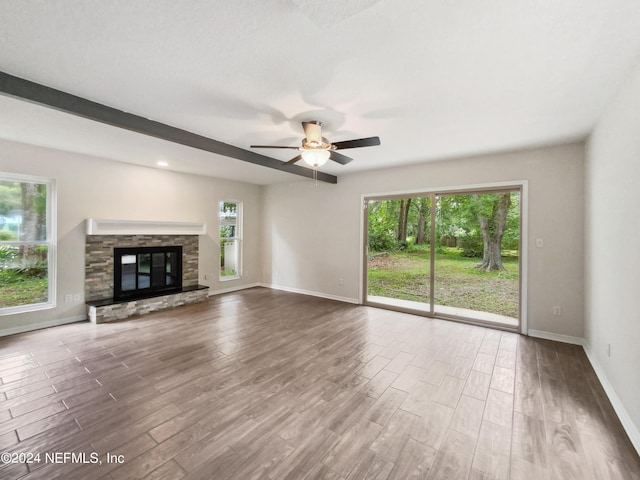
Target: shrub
x,y
7,254
423,248
472,246
7,236
381,241
17,274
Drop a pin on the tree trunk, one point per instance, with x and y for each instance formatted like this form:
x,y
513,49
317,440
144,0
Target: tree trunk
x,y
423,210
28,232
403,217
406,220
400,222
492,228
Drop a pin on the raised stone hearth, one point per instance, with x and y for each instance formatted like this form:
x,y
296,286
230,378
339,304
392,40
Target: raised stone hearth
x,y
99,276
108,311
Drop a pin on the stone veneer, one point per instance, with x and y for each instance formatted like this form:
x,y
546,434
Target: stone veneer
x,y
99,259
99,313
99,275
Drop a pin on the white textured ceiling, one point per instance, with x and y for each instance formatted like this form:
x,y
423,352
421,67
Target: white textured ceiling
x,y
433,79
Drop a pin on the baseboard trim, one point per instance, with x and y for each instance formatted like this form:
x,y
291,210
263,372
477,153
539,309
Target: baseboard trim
x,y
556,336
39,326
233,289
632,430
629,427
312,293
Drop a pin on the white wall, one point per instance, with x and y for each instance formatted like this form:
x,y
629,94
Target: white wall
x,y
91,187
612,252
312,234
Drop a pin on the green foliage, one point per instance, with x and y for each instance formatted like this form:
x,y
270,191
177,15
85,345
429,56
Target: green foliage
x,y
8,254
22,287
23,270
405,275
383,223
10,196
226,231
40,202
381,241
222,244
458,217
421,249
457,223
511,239
230,207
31,261
225,272
7,236
472,246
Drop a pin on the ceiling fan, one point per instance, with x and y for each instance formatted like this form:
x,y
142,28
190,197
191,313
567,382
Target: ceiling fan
x,y
316,149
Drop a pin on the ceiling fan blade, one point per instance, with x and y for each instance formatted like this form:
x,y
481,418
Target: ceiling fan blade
x,y
272,146
360,142
313,131
341,159
297,158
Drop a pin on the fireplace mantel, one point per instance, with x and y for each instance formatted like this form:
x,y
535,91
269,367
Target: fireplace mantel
x,y
143,227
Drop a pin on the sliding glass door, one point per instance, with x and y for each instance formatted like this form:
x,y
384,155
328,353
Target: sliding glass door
x,y
446,254
398,260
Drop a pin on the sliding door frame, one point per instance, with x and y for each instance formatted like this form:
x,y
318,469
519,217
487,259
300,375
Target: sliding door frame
x,y
520,185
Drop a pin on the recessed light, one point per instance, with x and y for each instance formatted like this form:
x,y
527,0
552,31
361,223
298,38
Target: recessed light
x,y
162,163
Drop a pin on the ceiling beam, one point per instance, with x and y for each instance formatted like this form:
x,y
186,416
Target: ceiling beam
x,y
50,97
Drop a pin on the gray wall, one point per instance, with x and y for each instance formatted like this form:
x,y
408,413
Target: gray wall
x,y
612,253
312,234
90,187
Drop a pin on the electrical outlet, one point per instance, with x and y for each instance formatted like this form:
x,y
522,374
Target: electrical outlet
x,y
77,297
557,311
539,242
341,281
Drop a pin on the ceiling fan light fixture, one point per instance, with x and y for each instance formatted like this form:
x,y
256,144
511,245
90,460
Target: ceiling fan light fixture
x,y
316,157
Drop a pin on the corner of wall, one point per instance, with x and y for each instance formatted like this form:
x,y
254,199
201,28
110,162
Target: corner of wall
x,y
629,426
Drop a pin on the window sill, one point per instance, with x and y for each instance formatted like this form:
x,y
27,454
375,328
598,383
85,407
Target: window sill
x,y
34,307
226,279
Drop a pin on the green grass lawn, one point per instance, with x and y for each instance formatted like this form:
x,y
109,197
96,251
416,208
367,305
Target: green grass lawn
x,y
405,275
20,289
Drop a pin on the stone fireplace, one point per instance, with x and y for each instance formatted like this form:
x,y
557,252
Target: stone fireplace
x,y
155,271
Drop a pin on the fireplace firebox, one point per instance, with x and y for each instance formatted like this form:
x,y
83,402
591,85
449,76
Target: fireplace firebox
x,y
141,272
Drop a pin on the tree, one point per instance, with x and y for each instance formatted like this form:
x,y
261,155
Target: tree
x,y
403,221
9,197
491,211
423,213
382,225
29,230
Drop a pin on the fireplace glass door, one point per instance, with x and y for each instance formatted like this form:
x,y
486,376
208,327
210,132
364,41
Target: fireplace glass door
x,y
146,270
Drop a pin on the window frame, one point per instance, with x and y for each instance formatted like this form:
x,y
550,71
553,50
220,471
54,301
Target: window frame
x,y
50,242
237,238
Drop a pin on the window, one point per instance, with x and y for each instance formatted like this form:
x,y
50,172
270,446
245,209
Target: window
x,y
230,240
27,244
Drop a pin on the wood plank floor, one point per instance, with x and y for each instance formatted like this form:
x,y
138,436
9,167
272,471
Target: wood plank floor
x,y
262,384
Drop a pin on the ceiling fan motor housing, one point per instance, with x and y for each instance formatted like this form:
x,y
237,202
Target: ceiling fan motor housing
x,y
313,144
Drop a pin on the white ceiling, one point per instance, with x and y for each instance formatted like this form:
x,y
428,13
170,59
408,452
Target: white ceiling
x,y
433,79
